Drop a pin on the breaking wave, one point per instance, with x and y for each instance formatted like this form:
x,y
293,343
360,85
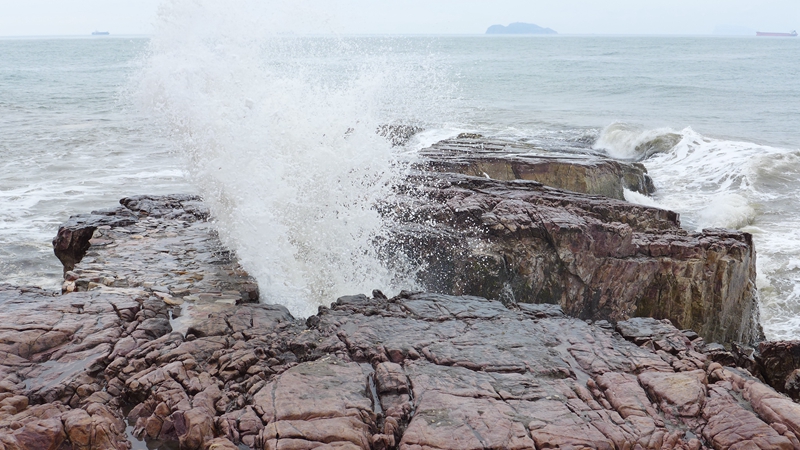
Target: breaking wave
x,y
623,141
717,183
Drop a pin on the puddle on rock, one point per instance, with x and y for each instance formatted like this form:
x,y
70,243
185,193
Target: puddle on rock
x,y
54,373
146,443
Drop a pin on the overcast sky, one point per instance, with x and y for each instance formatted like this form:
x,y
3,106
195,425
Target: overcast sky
x,y
81,17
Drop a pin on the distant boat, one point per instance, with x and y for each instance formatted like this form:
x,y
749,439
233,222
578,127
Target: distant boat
x,y
100,33
792,34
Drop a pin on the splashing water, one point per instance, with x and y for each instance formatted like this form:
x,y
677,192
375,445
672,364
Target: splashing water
x,y
623,141
728,184
280,135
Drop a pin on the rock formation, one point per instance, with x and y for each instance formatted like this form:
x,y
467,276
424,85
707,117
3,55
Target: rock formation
x,y
519,28
474,155
598,258
170,232
156,336
415,371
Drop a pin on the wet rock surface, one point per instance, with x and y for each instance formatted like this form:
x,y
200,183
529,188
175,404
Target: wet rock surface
x,y
598,258
778,364
505,161
164,245
415,371
135,274
51,352
154,339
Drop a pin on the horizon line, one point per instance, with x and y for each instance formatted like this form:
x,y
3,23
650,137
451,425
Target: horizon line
x,y
148,35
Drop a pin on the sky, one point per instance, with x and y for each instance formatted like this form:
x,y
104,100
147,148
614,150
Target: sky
x,y
120,17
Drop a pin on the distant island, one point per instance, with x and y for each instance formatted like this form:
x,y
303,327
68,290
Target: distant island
x,y
519,28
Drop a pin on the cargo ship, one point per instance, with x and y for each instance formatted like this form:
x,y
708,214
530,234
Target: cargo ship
x,y
792,34
106,33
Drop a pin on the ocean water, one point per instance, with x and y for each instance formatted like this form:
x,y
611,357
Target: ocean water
x,y
69,143
277,133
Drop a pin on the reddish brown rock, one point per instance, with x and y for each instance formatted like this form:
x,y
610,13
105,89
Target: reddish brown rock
x,y
731,426
324,401
506,161
198,424
94,428
679,394
221,444
45,434
470,373
779,362
596,257
411,372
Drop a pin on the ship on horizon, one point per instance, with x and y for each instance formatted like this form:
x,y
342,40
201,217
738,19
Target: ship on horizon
x,y
792,34
100,33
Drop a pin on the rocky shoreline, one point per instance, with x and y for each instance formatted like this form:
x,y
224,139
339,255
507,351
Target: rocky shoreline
x,y
510,235
556,319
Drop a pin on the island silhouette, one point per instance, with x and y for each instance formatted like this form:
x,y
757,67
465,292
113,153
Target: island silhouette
x,y
519,28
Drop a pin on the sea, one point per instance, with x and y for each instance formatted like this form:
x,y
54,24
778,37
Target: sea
x,y
277,132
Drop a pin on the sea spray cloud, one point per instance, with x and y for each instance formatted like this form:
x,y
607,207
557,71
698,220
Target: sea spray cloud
x,y
279,133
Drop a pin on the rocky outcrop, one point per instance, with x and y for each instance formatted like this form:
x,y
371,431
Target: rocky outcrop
x,y
598,258
779,363
477,156
73,237
775,362
415,371
153,339
72,240
52,355
136,274
119,248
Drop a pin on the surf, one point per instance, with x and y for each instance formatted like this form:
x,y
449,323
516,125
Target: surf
x,y
722,183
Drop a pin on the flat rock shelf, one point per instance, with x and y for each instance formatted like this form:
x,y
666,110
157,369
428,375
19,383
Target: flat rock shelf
x,y
156,339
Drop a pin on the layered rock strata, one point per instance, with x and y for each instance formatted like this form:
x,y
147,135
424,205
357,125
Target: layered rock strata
x,y
585,173
597,257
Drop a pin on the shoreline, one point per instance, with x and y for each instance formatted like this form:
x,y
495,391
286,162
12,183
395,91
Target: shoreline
x,y
156,336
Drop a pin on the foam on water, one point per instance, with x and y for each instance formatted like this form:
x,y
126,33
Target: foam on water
x,y
623,141
280,133
716,183
68,146
641,199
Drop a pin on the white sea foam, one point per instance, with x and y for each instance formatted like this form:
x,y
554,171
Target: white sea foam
x,y
715,183
281,138
640,199
623,141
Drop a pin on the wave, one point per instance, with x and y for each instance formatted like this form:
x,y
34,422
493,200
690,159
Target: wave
x,y
279,133
711,181
718,183
626,142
